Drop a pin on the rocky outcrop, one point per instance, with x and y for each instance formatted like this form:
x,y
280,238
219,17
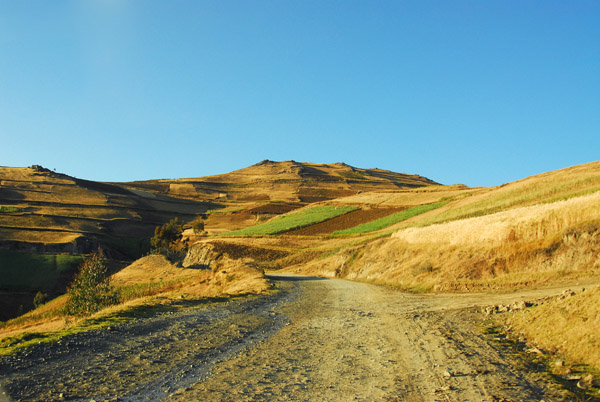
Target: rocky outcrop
x,y
202,256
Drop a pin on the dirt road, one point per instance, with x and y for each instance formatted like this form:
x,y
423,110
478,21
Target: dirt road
x,y
315,340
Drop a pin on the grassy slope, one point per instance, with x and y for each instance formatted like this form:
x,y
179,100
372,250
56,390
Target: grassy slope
x,y
535,240
148,285
544,188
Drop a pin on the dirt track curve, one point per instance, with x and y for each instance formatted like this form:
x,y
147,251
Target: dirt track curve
x,y
315,340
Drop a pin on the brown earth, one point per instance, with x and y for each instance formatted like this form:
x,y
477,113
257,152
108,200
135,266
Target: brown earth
x,y
316,339
345,221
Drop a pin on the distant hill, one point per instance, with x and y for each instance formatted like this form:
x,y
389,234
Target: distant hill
x,y
285,181
46,212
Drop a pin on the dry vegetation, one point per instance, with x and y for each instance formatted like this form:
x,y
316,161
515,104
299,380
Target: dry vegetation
x,y
567,327
521,247
543,188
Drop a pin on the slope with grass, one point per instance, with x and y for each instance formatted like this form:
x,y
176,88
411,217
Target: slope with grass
x,y
49,212
548,231
567,327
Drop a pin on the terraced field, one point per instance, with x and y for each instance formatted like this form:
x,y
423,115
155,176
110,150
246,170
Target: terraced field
x,y
345,221
294,220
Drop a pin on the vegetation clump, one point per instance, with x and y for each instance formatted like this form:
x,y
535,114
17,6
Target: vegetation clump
x,y
9,209
166,240
90,290
39,299
198,227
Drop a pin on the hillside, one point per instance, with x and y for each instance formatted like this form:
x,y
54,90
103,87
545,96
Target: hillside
x,y
287,181
48,220
539,230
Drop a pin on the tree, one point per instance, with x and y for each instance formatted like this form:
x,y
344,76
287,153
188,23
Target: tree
x,y
198,227
167,235
90,290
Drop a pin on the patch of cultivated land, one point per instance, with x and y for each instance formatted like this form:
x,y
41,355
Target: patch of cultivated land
x,y
318,340
346,221
294,220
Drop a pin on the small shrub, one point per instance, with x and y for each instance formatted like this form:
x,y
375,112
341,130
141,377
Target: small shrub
x,y
90,290
39,299
198,227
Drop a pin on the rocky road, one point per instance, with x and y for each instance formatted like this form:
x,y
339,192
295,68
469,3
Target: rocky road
x,y
314,340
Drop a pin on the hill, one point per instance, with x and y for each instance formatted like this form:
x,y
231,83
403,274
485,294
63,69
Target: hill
x,y
288,181
48,220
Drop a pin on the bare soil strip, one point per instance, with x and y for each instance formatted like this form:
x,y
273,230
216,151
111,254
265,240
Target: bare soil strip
x,y
315,340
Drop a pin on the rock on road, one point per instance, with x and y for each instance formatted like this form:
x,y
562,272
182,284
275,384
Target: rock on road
x,y
314,340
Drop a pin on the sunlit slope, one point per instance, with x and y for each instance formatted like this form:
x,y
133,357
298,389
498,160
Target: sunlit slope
x,y
285,181
542,229
543,188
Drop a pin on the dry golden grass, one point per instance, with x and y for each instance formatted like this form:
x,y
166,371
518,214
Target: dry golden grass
x,y
423,195
523,224
569,326
543,188
517,248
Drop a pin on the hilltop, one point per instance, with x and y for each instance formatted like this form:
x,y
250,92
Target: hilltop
x,y
289,181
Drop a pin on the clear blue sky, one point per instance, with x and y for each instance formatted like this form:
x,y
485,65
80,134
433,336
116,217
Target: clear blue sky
x,y
474,92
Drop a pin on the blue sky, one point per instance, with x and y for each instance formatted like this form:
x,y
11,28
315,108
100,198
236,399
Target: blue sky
x,y
473,92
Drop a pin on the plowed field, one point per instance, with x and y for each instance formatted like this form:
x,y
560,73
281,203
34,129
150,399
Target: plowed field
x,y
345,221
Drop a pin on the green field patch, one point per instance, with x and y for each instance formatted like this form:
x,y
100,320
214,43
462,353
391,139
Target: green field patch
x,y
34,271
294,220
390,219
7,209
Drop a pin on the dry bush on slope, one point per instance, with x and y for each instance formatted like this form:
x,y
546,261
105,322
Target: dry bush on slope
x,y
511,249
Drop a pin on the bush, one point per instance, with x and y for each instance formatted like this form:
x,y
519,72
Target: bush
x,y
90,290
39,299
166,236
198,227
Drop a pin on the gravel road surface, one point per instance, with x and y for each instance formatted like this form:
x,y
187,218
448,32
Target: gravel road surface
x,y
314,340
